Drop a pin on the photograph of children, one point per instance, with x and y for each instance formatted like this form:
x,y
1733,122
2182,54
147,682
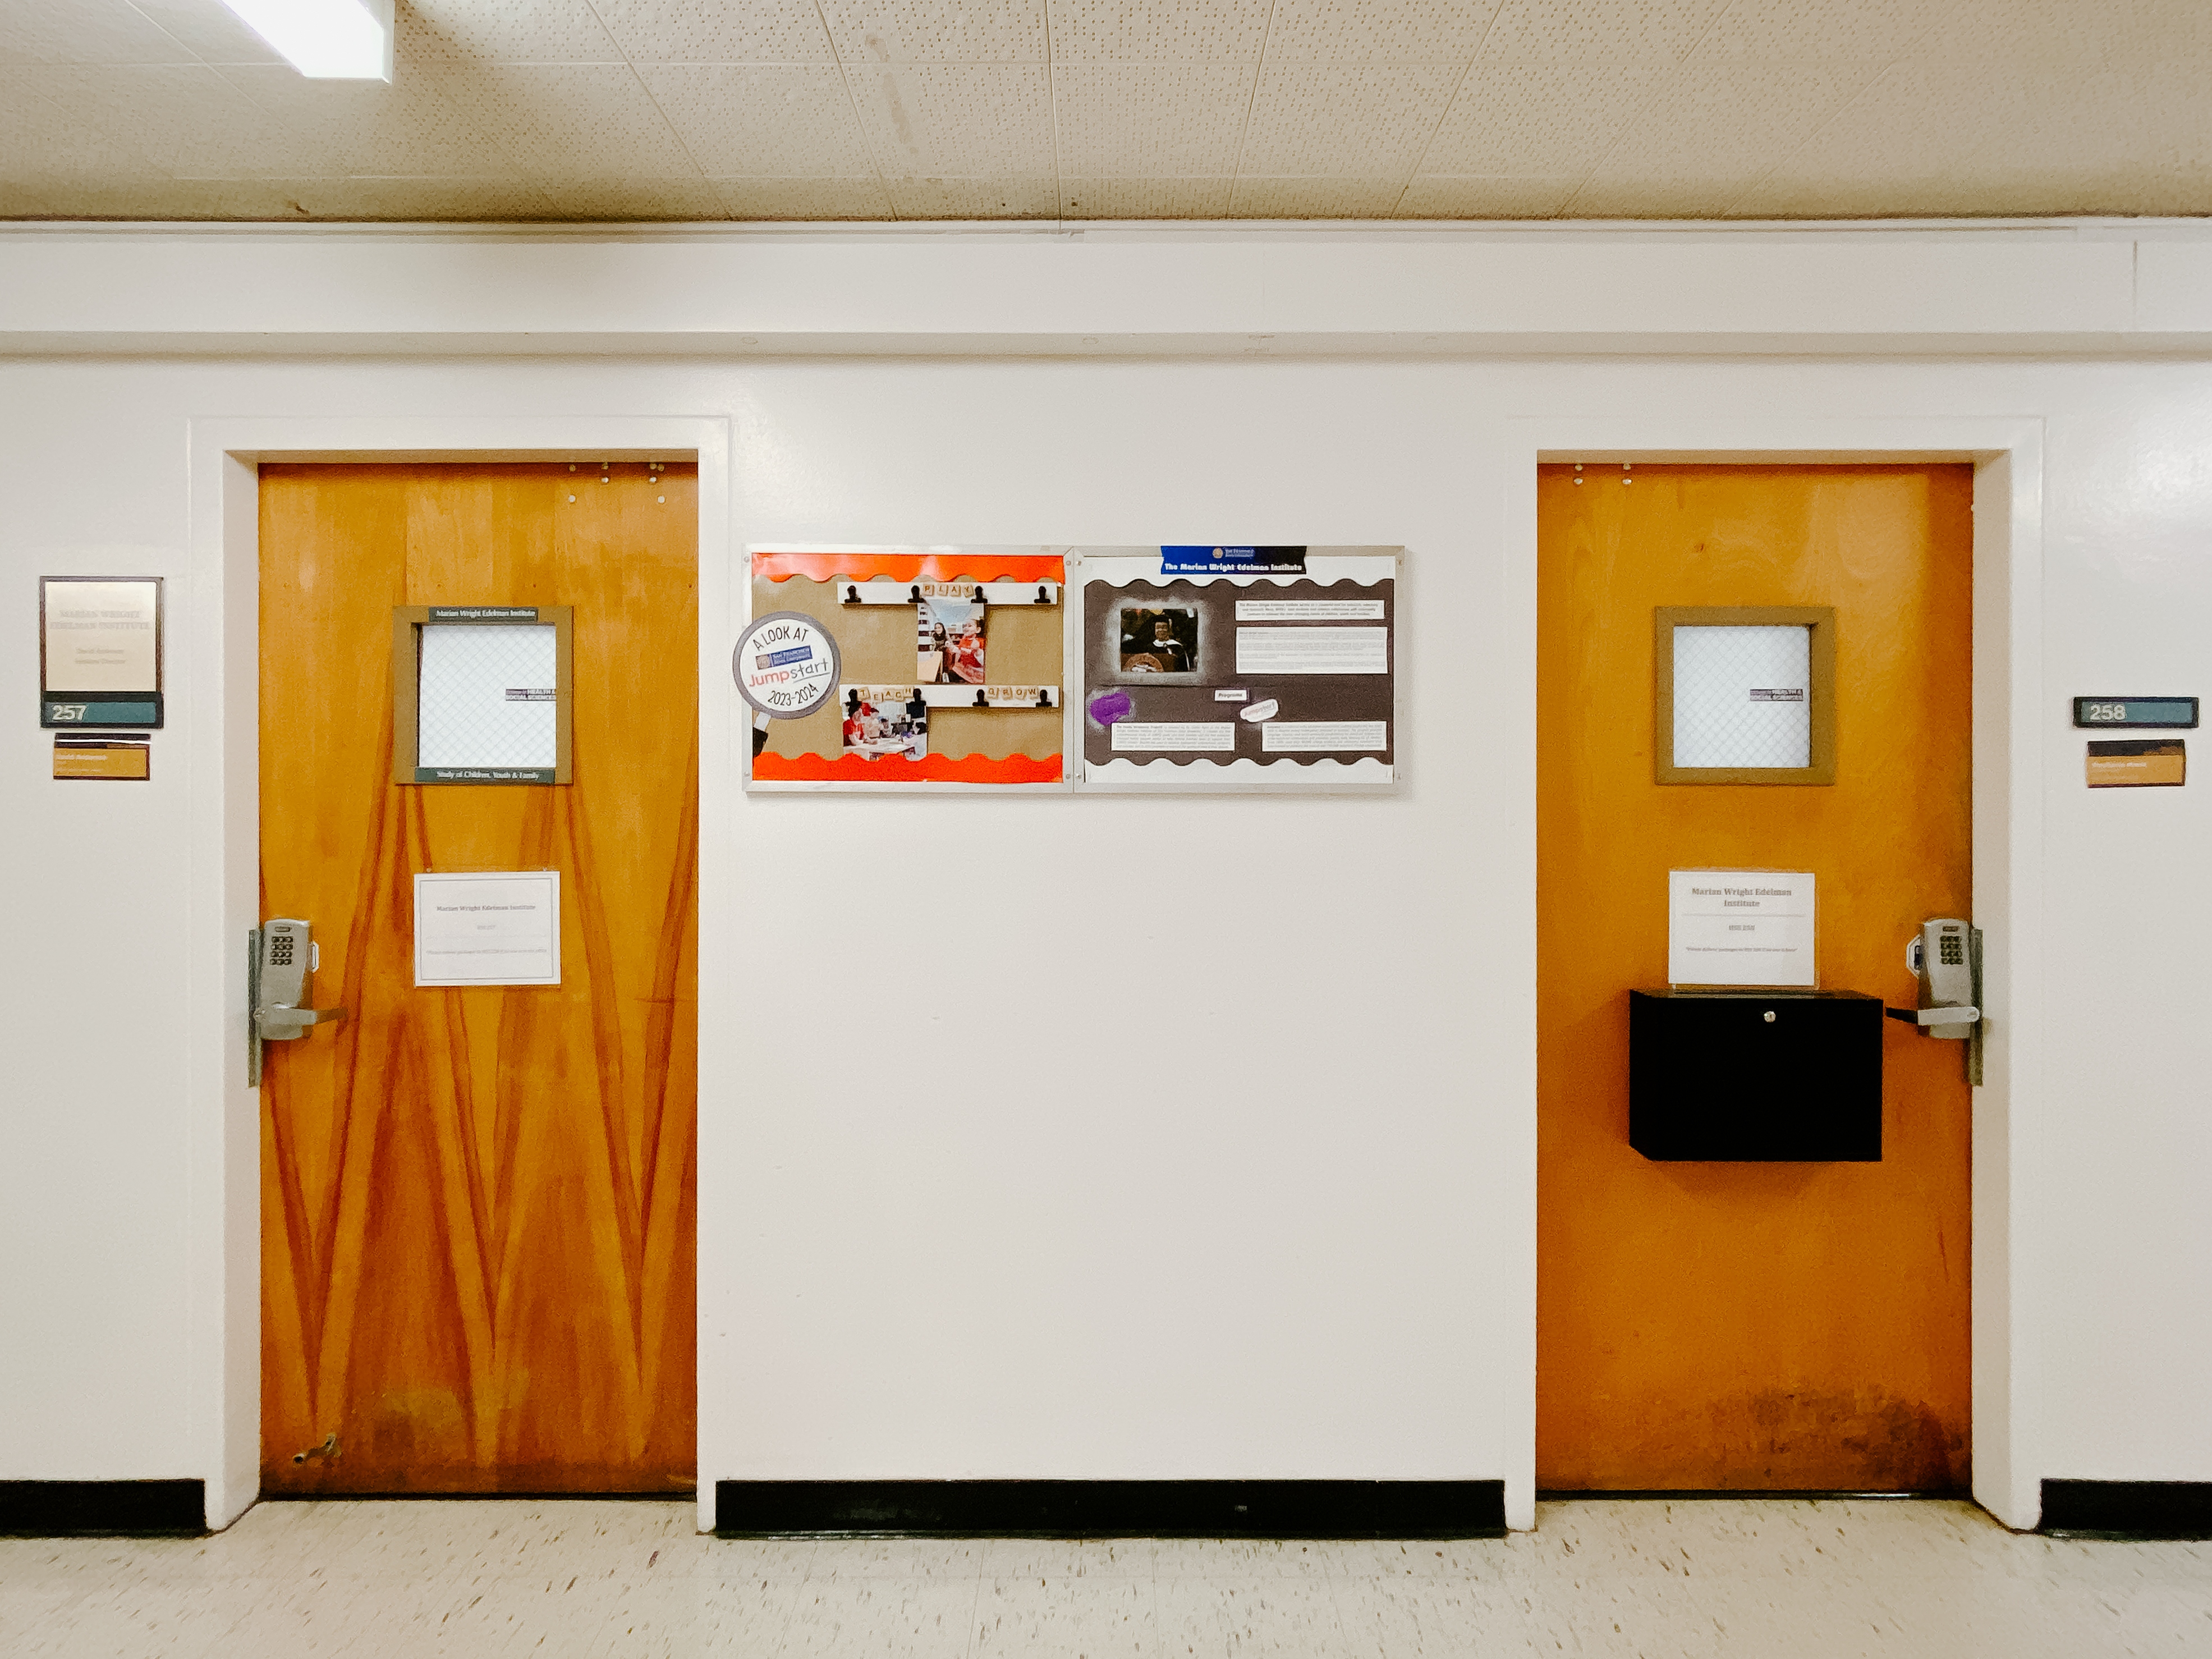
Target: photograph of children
x,y
949,642
884,726
1159,640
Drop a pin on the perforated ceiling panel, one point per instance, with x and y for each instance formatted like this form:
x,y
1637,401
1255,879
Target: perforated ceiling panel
x,y
1084,109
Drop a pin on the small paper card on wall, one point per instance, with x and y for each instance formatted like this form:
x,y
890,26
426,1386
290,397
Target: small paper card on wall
x,y
487,927
1752,928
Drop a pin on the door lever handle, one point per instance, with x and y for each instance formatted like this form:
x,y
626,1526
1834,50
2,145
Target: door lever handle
x,y
278,1021
1959,1016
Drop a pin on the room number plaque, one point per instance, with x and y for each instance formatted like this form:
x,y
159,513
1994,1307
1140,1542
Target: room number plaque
x,y
2167,714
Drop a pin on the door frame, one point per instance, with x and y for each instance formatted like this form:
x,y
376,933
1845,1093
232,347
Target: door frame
x,y
216,631
2008,720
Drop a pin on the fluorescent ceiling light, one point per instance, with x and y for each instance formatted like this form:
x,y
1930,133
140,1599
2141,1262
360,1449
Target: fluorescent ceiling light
x,y
325,39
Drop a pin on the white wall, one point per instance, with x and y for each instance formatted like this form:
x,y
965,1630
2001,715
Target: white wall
x,y
1310,1258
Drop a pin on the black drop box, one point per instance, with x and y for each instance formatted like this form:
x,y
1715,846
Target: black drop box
x,y
1755,1077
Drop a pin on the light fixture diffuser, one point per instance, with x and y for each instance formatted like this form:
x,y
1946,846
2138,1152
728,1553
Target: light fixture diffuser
x,y
325,39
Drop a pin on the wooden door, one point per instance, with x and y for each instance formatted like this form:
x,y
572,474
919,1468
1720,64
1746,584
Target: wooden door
x,y
477,1204
1775,1326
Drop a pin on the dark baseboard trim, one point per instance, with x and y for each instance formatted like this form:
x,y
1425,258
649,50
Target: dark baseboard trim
x,y
554,1494
1109,1509
2127,1509
1698,1494
128,1509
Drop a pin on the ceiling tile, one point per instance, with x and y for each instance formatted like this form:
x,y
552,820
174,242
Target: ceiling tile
x,y
504,32
1802,29
410,127
84,32
1890,147
1144,198
931,32
960,120
254,199
634,198
186,122
1157,31
1513,116
43,147
210,30
569,120
22,202
974,199
528,108
1710,132
1315,198
1150,120
1439,197
2129,136
769,120
1377,31
2025,35
494,200
1366,121
804,198
711,32
1533,30
2186,194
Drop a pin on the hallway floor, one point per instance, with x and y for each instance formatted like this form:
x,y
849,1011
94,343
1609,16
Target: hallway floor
x,y
1791,1578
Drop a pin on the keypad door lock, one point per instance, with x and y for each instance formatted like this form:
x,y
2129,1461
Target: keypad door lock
x,y
1946,957
282,958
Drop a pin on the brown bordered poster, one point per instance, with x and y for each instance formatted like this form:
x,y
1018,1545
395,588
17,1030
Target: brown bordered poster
x,y
1264,670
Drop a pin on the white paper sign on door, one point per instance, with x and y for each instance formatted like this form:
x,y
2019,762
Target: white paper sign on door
x,y
1740,928
487,927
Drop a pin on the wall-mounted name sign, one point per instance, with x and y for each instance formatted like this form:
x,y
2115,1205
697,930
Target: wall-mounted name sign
x,y
2172,713
2138,764
116,755
100,651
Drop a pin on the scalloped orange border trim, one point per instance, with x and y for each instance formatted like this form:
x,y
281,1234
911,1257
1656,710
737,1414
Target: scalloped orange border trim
x,y
893,768
863,566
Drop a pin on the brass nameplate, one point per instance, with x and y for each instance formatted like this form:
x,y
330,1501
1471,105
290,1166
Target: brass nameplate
x,y
103,755
2137,764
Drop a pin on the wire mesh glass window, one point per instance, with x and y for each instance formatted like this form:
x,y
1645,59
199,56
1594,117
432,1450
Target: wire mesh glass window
x,y
1746,694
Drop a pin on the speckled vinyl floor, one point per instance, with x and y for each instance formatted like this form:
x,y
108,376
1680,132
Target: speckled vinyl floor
x,y
1799,1580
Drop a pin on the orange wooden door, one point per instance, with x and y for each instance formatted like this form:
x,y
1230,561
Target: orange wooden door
x,y
1774,1325
478,1204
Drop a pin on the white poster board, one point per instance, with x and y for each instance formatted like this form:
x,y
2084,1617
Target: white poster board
x,y
487,927
1752,927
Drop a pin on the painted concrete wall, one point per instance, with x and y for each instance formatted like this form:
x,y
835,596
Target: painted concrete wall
x,y
1309,1258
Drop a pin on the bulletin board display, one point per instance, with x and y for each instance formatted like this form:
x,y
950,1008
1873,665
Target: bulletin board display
x,y
951,668
1264,668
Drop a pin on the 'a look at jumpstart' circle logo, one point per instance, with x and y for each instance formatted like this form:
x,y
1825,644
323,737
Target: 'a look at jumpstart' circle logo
x,y
786,665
